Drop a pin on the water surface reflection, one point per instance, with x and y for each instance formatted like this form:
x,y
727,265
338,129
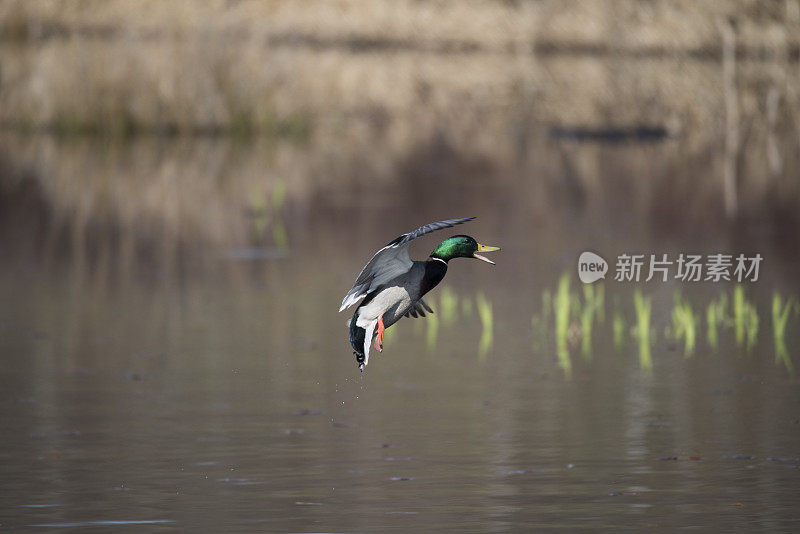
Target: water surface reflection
x,y
156,374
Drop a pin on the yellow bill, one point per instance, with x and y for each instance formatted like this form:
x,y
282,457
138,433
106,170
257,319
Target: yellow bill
x,y
484,248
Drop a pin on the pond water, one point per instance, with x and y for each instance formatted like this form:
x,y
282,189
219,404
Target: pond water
x,y
182,365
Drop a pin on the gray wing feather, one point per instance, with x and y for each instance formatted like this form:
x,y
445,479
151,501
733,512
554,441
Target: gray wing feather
x,y
424,305
391,261
432,227
418,309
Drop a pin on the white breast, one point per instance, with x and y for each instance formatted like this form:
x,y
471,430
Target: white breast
x,y
382,302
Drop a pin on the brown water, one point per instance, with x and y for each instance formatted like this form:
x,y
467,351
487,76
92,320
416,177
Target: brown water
x,y
165,379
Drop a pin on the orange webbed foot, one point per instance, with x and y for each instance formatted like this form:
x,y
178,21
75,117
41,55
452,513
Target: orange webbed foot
x,y
379,337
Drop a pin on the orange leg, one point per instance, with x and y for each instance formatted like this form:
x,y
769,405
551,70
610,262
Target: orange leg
x,y
379,337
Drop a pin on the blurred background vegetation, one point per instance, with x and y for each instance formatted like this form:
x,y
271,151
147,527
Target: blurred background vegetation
x,y
317,97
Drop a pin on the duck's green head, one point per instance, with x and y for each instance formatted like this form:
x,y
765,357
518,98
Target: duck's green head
x,y
461,246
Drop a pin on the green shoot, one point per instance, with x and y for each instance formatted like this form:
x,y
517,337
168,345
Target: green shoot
x,y
780,316
643,307
561,309
684,324
487,323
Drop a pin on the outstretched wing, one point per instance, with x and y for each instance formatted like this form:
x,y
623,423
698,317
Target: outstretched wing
x,y
391,261
418,309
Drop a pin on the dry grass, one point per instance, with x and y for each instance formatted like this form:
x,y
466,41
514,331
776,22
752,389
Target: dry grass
x,y
187,65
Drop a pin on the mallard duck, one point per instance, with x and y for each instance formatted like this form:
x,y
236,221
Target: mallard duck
x,y
392,284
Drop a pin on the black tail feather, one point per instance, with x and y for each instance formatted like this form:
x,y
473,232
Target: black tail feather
x,y
357,335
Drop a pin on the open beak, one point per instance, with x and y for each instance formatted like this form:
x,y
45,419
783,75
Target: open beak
x,y
484,248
